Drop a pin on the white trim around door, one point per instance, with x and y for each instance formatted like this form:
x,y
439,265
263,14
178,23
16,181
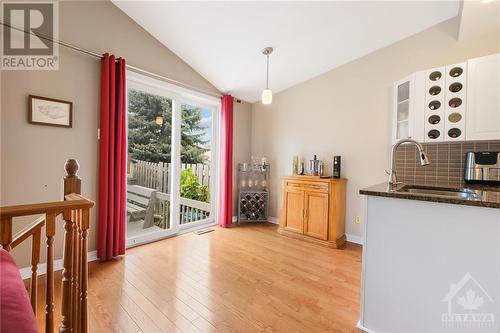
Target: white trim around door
x,y
180,96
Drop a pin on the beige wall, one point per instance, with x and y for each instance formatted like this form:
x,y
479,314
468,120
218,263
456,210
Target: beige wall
x,y
241,143
32,156
347,111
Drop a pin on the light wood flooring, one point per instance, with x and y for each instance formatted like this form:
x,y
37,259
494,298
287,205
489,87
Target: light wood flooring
x,y
241,279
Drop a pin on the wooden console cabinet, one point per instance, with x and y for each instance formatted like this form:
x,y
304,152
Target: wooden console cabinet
x,y
313,209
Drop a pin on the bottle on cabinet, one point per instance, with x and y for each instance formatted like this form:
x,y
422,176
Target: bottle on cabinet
x,y
314,166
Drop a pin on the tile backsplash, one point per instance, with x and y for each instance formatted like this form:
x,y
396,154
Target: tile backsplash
x,y
447,161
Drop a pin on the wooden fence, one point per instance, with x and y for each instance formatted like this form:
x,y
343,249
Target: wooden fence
x,y
157,175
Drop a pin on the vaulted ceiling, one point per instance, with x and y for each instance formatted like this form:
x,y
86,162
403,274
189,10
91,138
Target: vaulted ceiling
x,y
223,40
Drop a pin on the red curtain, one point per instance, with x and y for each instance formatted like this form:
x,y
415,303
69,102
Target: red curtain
x,y
112,159
226,202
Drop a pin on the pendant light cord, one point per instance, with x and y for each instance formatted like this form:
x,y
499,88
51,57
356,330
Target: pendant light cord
x,y
267,75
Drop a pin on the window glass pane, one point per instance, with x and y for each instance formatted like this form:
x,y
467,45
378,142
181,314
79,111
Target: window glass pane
x,y
196,161
149,163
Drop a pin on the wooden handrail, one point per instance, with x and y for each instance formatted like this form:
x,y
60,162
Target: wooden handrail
x,y
54,207
28,231
75,210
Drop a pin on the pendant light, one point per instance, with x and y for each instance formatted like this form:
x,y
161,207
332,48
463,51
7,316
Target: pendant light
x,y
267,94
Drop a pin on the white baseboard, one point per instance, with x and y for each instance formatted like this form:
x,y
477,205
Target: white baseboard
x,y
234,219
364,329
354,239
350,238
273,220
58,265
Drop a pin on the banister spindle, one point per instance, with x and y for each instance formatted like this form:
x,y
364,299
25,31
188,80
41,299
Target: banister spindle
x,y
75,295
84,279
6,232
50,231
67,275
35,260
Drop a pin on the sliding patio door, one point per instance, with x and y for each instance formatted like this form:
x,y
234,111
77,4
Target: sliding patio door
x,y
172,169
196,164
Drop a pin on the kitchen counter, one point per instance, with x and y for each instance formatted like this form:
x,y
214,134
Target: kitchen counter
x,y
484,196
424,252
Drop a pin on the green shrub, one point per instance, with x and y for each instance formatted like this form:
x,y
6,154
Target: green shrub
x,y
191,187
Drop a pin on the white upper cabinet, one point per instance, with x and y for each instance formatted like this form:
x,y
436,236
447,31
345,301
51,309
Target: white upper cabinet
x,y
459,102
483,98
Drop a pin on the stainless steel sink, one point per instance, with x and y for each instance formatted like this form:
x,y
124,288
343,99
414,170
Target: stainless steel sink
x,y
465,194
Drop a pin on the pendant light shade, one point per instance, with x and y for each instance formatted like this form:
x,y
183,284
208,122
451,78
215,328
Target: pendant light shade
x,y
267,94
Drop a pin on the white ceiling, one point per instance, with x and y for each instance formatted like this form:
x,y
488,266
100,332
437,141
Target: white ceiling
x,y
223,40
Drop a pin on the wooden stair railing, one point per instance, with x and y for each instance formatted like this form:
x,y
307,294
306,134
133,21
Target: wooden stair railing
x,y
75,211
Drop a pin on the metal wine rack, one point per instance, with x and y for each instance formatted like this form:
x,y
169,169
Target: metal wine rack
x,y
253,196
252,206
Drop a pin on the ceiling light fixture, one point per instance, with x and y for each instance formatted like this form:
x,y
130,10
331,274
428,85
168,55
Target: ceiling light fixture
x,y
267,94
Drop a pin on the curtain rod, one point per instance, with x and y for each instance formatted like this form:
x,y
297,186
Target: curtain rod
x,y
130,67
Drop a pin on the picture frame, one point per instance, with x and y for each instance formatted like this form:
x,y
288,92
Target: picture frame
x,y
50,111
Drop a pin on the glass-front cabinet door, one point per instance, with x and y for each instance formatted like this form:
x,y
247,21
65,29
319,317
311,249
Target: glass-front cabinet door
x,y
403,109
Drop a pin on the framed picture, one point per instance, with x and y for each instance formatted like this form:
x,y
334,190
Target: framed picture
x,y
50,111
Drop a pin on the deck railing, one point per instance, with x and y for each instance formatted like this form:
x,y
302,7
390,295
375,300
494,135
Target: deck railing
x,y
75,211
190,210
157,175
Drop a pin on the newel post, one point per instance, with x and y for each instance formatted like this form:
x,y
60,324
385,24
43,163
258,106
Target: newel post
x,y
72,184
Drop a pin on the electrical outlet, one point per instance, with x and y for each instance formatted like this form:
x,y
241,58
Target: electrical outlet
x,y
357,220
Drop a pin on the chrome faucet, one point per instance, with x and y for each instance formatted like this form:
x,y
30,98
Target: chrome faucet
x,y
424,160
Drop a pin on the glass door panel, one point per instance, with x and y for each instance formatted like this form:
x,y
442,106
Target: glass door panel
x,y
196,165
149,168
403,110
172,153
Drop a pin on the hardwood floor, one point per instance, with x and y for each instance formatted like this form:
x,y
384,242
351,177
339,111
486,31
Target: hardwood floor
x,y
241,279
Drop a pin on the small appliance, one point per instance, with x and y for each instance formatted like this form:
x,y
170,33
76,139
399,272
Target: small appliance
x,y
336,166
314,166
482,167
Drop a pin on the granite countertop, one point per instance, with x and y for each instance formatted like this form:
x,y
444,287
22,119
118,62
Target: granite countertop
x,y
481,195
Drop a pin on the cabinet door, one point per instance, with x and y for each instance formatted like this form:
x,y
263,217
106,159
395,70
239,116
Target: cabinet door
x,y
483,98
316,222
403,105
407,113
294,203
